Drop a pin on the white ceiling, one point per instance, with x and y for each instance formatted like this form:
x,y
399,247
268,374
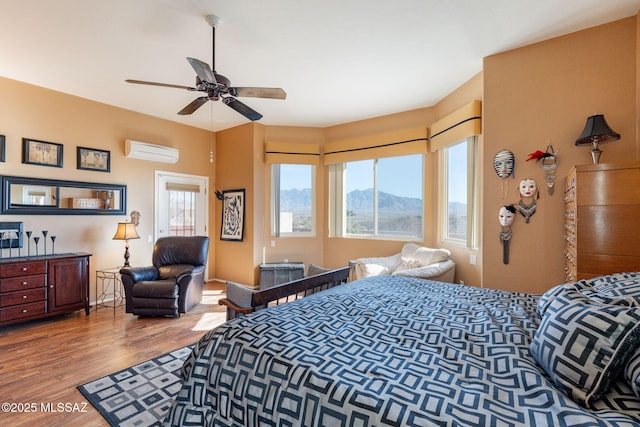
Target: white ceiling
x,y
338,60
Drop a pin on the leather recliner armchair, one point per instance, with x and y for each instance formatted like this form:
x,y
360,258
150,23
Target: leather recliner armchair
x,y
173,284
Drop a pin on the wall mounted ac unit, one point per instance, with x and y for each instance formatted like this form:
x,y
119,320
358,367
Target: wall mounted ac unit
x,y
152,152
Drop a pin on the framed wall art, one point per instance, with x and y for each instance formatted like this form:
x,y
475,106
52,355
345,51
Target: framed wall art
x,y
42,153
232,215
2,148
93,159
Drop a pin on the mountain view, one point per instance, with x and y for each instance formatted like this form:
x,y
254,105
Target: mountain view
x,y
397,215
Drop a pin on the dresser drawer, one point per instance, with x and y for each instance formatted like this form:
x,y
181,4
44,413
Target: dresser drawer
x,y
23,268
23,297
23,310
25,282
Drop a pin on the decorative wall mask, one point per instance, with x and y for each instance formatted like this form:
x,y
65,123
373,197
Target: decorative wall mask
x,y
503,163
135,218
528,195
506,215
549,163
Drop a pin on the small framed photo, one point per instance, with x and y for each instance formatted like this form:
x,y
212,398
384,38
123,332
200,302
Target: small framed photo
x,y
94,160
2,148
232,227
42,153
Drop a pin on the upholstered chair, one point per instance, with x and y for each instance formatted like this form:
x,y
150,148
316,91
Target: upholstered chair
x,y
413,261
173,284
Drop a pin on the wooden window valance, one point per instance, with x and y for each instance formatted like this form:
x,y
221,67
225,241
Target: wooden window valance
x,y
292,153
391,144
461,124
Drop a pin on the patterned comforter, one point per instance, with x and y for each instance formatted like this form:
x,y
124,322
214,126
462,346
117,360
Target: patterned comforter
x,y
385,350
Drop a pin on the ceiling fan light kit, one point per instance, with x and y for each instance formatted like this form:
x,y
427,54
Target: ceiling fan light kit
x,y
216,86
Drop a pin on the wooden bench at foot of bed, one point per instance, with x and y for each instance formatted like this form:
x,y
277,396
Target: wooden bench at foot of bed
x,y
241,300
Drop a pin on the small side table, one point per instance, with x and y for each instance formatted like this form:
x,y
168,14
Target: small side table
x,y
110,284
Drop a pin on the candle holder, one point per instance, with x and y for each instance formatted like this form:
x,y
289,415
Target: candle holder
x,y
19,237
53,245
44,241
28,233
36,240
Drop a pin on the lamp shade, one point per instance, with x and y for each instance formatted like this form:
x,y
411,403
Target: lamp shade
x,y
597,131
126,231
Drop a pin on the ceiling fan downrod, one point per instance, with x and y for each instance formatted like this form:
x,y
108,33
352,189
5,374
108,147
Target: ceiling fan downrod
x,y
214,21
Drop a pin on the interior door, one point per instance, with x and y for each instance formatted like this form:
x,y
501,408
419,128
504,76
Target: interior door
x,y
181,205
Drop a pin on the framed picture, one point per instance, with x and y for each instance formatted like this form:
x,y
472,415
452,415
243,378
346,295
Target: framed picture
x,y
2,148
232,215
94,160
42,153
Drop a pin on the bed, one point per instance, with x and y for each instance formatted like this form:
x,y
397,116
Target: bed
x,y
401,351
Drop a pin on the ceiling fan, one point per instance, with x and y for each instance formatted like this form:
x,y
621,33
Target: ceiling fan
x,y
217,86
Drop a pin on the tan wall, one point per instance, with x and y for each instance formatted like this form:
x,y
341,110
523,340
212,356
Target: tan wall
x,y
38,113
234,171
465,271
637,91
544,93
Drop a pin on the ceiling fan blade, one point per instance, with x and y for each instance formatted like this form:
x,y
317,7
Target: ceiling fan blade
x,y
241,108
142,82
258,92
193,106
203,70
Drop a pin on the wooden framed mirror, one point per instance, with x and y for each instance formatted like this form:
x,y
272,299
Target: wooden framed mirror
x,y
38,196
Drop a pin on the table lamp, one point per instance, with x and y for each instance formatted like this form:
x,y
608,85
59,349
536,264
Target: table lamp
x,y
595,132
126,231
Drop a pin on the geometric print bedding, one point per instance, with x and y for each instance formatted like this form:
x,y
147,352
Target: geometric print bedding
x,y
584,344
386,350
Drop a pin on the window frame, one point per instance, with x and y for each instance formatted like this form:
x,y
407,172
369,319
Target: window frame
x,y
338,202
472,236
275,171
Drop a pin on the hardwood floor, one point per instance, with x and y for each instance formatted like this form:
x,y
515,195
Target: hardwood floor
x,y
43,361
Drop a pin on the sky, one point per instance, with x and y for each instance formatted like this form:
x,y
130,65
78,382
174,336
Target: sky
x,y
400,176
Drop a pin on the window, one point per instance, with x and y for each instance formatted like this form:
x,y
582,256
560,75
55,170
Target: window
x,y
292,195
181,204
381,198
182,212
458,193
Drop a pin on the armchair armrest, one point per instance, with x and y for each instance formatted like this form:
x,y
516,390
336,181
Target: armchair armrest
x,y
238,299
138,274
187,270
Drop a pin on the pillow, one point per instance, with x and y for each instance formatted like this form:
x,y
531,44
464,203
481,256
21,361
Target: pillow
x,y
632,372
583,345
367,270
614,278
546,299
584,287
625,285
407,264
426,256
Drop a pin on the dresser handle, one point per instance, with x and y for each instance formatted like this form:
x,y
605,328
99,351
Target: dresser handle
x,y
25,268
24,311
24,297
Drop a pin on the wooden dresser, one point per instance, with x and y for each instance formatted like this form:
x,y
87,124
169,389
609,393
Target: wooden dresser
x,y
602,219
42,286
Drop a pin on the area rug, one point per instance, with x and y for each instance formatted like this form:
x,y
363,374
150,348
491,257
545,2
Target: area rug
x,y
140,395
